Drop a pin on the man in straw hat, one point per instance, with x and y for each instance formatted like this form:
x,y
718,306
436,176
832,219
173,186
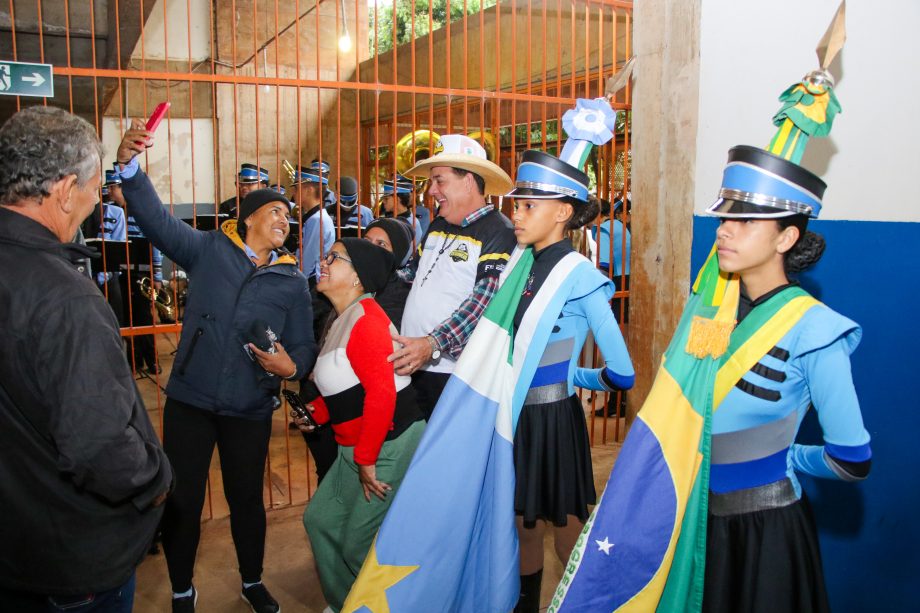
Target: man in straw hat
x,y
456,269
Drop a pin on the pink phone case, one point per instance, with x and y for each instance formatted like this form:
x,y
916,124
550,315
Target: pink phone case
x,y
158,114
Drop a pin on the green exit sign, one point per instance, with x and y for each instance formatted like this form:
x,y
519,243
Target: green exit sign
x,y
25,79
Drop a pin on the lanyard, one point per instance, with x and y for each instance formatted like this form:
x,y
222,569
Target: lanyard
x,y
447,243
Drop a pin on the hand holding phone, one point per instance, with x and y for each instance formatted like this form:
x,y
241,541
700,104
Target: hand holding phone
x,y
298,409
158,114
153,123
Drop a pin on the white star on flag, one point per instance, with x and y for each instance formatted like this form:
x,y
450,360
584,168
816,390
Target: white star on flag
x,y
604,545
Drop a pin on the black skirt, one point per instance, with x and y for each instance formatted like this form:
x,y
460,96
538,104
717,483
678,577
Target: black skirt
x,y
552,463
764,561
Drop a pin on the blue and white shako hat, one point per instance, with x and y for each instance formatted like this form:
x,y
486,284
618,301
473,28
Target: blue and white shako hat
x,y
277,187
546,177
322,166
250,173
760,185
397,185
304,175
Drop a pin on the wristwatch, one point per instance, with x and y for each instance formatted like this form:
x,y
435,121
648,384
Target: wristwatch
x,y
435,349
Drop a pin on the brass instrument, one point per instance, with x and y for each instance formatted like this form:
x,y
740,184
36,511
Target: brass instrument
x,y
161,299
414,147
488,142
292,173
422,144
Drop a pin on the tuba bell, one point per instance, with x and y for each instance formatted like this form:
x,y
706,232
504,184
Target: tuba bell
x,y
414,147
487,139
160,298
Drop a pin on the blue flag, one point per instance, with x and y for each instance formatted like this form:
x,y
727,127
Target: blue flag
x,y
449,542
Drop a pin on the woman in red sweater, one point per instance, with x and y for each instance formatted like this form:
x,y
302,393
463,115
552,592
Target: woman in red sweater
x,y
371,410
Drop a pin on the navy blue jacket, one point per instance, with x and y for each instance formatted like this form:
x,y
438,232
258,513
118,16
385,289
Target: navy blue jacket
x,y
227,294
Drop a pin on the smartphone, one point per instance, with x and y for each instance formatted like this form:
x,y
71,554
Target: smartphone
x,y
262,336
298,408
158,114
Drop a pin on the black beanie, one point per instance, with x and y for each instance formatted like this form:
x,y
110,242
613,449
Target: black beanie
x,y
400,235
258,198
372,263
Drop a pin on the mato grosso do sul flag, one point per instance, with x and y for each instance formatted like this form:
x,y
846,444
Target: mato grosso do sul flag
x,y
448,542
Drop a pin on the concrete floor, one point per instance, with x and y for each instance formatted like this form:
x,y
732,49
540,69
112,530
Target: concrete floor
x,y
289,572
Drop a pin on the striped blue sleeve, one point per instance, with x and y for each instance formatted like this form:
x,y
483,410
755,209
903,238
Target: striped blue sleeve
x,y
846,451
602,379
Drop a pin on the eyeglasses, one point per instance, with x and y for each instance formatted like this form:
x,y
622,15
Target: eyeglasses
x,y
335,255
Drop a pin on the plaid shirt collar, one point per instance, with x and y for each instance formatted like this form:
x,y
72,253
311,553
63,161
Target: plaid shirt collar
x,y
477,214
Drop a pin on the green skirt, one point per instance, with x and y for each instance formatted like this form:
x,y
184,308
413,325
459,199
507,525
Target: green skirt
x,y
342,524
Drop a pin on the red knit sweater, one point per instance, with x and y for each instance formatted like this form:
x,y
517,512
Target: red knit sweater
x,y
361,394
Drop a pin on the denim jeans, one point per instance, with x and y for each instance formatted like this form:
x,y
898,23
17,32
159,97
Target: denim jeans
x,y
116,600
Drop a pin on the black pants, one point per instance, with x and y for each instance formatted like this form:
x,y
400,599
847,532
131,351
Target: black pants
x,y
189,436
428,387
323,448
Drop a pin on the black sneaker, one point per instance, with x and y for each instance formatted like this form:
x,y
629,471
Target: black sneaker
x,y
260,600
186,604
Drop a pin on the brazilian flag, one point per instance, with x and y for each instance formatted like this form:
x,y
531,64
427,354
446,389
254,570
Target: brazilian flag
x,y
644,546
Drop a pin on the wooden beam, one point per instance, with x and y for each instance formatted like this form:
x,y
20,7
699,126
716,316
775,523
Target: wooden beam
x,y
665,124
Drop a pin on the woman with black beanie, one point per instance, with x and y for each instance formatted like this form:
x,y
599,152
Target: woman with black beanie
x,y
394,235
247,327
371,410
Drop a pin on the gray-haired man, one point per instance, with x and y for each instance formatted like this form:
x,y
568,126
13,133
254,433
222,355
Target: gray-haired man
x,y
82,473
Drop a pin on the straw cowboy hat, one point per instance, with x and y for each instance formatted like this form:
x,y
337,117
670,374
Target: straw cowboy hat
x,y
459,151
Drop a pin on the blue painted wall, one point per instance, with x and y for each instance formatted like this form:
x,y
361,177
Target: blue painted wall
x,y
870,533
